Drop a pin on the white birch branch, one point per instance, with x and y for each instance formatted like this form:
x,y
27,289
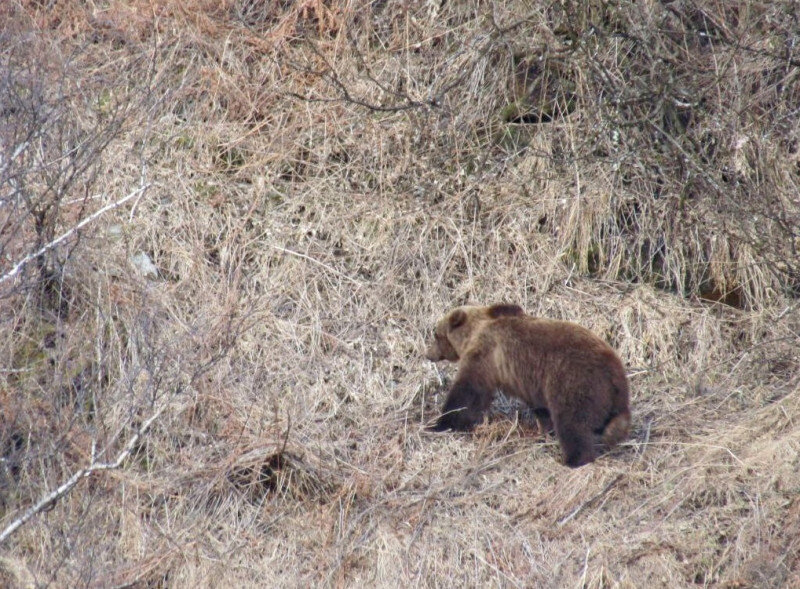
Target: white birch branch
x,y
67,486
18,150
19,265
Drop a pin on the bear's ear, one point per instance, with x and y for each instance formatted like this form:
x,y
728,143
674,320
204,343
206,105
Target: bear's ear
x,y
505,310
457,318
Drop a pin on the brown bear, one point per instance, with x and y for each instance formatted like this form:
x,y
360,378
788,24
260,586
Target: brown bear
x,y
572,379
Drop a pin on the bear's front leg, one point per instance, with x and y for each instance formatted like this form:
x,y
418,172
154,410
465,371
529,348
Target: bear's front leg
x,y
543,421
466,403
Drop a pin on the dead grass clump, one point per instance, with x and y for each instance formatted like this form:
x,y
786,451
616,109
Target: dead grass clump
x,y
260,473
15,574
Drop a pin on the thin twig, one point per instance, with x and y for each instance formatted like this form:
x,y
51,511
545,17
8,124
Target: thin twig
x,y
315,261
589,502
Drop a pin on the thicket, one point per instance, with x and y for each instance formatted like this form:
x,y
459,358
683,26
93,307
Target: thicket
x,y
671,125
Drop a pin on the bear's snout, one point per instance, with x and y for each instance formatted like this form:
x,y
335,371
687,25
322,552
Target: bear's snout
x,y
433,353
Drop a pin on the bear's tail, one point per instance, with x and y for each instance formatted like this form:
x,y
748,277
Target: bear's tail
x,y
617,428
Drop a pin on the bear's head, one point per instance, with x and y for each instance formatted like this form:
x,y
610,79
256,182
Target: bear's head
x,y
454,330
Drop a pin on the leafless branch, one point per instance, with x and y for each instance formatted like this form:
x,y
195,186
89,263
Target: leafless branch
x,y
71,231
50,498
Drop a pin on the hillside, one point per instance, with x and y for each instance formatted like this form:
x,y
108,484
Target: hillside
x,y
228,228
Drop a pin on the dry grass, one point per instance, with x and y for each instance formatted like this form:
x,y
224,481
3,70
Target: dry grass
x,y
326,177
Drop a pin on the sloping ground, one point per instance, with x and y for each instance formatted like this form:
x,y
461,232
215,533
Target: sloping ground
x,y
324,180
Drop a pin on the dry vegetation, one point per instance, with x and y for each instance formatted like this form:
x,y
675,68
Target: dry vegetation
x,y
301,189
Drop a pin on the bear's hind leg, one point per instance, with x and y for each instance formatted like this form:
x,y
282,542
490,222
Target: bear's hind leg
x,y
577,443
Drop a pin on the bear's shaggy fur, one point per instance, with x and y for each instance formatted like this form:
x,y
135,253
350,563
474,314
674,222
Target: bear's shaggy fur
x,y
572,379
